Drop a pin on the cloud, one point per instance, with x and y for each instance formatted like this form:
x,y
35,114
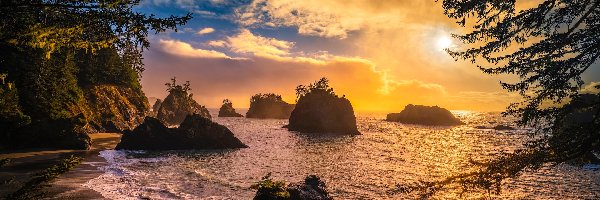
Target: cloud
x,y
216,43
206,30
179,48
591,88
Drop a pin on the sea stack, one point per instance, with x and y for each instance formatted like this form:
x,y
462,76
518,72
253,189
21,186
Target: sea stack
x,y
269,105
227,110
425,115
320,110
195,132
178,104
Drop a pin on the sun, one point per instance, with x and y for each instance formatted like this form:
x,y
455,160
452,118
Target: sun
x,y
444,42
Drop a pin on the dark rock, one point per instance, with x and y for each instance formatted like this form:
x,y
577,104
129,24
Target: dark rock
x,y
269,106
502,127
178,104
425,115
227,110
312,189
323,112
195,132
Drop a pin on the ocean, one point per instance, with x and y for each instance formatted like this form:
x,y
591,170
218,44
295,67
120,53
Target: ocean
x,y
366,166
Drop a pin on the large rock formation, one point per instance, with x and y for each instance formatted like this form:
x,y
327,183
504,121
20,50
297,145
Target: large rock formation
x,y
311,189
115,109
319,110
195,132
227,110
425,115
178,104
269,106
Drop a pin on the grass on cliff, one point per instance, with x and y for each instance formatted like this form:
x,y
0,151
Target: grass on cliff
x,y
31,189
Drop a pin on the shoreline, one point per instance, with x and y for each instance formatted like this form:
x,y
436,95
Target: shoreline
x,y
25,163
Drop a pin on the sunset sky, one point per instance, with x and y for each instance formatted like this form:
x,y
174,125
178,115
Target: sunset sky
x,y
381,54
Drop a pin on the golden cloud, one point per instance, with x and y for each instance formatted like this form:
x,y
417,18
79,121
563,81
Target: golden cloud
x,y
183,49
206,30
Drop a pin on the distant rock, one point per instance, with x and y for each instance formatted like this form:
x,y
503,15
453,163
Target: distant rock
x,y
311,189
319,110
195,132
269,106
500,127
178,104
227,110
425,115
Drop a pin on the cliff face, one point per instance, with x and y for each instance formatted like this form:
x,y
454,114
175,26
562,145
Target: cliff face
x,y
115,108
322,112
269,106
177,106
424,115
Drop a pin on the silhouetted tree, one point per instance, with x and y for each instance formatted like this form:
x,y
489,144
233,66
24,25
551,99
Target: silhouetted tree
x,y
548,46
76,24
322,85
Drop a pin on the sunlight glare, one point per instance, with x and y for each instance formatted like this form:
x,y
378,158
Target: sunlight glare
x,y
443,43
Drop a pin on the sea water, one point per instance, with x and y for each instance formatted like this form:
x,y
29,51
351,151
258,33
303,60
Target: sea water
x,y
366,166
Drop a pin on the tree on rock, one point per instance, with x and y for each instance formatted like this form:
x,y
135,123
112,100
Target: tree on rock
x,y
320,110
227,110
269,105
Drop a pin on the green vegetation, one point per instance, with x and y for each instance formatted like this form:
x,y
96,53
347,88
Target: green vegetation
x,y
549,67
30,189
55,53
270,190
321,87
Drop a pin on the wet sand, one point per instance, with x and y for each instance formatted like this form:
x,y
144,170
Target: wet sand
x,y
25,163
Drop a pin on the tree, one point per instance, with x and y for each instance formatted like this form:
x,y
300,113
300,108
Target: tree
x,y
320,86
75,24
548,46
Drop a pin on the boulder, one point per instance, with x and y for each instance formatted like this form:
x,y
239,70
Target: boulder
x,y
195,132
425,115
323,112
269,106
227,110
178,104
311,189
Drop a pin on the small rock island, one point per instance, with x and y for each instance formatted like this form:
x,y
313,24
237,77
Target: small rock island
x,y
425,115
312,188
195,132
269,105
320,110
178,104
227,110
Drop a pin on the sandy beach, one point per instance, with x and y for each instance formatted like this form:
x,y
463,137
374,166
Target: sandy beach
x,y
24,163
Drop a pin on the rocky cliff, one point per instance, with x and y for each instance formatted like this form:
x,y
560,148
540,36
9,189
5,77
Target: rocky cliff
x,y
114,108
